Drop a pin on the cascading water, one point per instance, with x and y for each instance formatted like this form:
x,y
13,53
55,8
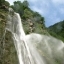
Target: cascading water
x,y
34,48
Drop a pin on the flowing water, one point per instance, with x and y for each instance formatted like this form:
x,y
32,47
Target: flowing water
x,y
34,48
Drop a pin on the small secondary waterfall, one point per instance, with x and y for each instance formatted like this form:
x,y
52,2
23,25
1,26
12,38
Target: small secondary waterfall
x,y
34,48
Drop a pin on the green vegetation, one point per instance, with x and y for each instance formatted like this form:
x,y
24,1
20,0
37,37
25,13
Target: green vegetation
x,y
29,17
57,30
32,22
7,50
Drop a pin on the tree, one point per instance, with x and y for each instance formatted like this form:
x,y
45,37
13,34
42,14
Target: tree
x,y
27,14
18,7
6,3
39,18
2,2
25,3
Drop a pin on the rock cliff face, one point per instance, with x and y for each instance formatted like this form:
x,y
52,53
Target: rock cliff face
x,y
2,30
7,49
31,26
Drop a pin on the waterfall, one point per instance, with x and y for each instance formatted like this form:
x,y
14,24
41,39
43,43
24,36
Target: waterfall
x,y
34,48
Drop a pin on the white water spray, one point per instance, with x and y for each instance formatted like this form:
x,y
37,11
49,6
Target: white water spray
x,y
34,48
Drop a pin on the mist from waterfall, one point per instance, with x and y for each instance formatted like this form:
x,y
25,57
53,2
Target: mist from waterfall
x,y
34,48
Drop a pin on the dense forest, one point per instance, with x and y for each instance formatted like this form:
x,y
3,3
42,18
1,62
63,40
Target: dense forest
x,y
57,30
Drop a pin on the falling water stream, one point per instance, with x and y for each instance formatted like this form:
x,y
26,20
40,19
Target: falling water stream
x,y
34,48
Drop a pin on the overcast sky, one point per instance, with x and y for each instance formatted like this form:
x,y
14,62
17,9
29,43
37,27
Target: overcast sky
x,y
51,10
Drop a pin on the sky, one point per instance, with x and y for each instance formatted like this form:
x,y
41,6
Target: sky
x,y
51,10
